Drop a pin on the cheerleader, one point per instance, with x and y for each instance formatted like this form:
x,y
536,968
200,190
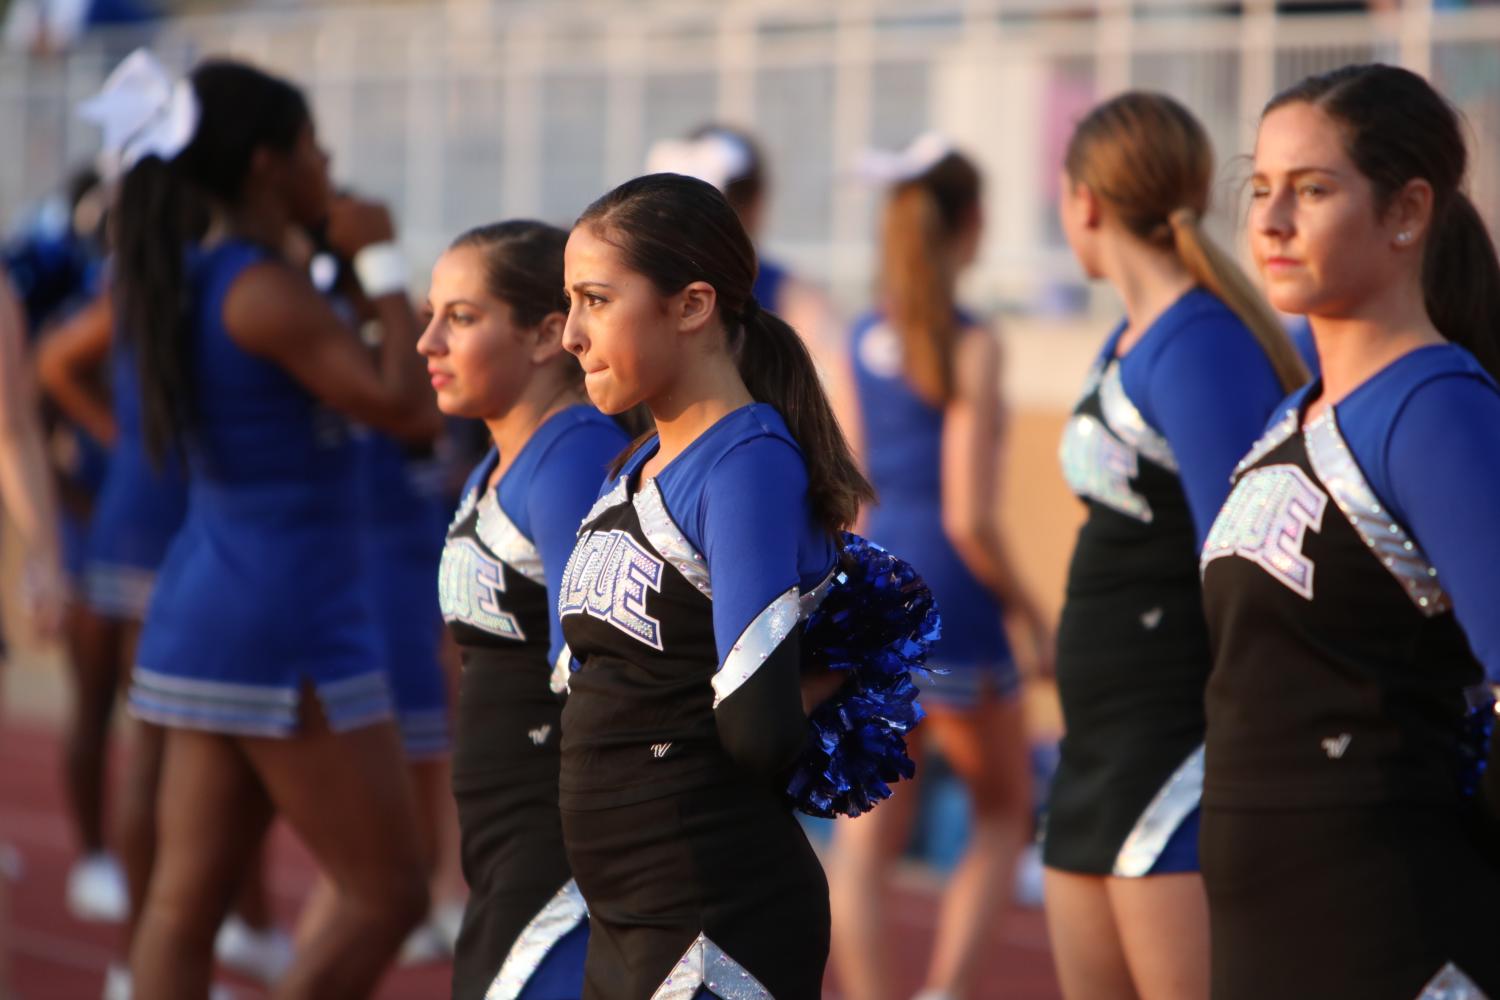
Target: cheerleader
x,y
1178,393
114,568
140,507
56,264
1349,580
401,513
25,480
494,351
258,654
26,495
681,605
928,379
731,160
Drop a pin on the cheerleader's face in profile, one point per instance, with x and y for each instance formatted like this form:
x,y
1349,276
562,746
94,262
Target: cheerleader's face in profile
x,y
1081,215
480,360
1320,241
299,176
633,342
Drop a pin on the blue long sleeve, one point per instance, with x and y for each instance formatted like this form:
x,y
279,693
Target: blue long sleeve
x,y
756,530
562,488
1441,475
1208,389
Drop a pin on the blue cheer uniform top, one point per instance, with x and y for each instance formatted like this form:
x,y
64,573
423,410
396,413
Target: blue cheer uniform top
x,y
261,595
1350,586
682,605
903,436
139,509
523,932
1148,450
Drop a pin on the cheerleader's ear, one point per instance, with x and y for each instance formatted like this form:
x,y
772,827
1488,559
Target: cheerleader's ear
x,y
547,342
695,307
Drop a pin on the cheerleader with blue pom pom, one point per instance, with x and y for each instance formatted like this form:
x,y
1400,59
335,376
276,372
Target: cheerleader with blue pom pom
x,y
710,602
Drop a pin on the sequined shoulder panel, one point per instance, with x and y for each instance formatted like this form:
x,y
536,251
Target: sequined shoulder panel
x,y
706,966
618,495
668,540
551,924
1335,466
756,644
501,536
813,599
1267,443
1091,380
562,672
465,508
1128,424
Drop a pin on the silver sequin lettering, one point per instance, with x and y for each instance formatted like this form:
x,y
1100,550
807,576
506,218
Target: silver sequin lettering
x,y
469,585
1265,520
607,578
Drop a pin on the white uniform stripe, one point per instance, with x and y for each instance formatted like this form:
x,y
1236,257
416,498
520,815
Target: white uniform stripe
x,y
1172,804
756,643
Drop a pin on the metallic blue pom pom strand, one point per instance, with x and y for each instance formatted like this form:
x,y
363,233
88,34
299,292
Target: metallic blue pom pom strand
x,y
878,623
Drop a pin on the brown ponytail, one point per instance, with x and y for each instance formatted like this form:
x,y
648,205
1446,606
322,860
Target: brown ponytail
x,y
1212,268
1461,282
777,369
922,215
676,230
1150,160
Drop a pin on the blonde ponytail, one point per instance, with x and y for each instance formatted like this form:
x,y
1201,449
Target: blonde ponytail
x,y
1216,271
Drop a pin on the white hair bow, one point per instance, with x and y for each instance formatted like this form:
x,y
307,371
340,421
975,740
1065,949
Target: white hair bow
x,y
143,112
716,158
880,166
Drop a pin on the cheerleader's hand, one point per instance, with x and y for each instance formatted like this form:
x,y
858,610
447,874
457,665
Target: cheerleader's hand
x,y
818,685
1039,639
354,224
46,598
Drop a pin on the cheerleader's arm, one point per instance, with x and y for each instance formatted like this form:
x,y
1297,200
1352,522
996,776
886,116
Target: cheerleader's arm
x,y
1209,390
1442,481
566,483
756,521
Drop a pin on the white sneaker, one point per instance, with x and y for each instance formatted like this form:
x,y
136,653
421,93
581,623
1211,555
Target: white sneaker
x,y
12,864
262,955
96,889
426,943
117,986
1028,884
449,919
116,983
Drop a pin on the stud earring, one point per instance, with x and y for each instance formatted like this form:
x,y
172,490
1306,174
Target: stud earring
x,y
1403,238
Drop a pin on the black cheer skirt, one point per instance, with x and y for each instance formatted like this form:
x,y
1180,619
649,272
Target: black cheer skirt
x,y
715,887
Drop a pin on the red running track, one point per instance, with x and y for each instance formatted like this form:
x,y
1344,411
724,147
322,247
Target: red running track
x,y
54,957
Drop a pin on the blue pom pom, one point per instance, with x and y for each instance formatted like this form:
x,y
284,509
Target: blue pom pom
x,y
1474,742
877,622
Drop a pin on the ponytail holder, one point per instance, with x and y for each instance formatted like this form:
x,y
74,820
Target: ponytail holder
x,y
750,311
143,112
1182,217
880,166
716,158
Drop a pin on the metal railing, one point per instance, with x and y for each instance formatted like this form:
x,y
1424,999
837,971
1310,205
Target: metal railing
x,y
464,112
